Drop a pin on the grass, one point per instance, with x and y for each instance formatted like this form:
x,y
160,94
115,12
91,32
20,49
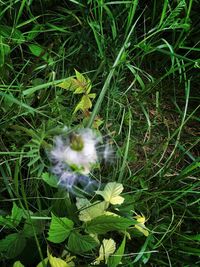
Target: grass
x,y
143,61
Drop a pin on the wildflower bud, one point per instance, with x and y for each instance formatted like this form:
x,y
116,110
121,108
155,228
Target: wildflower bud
x,y
76,142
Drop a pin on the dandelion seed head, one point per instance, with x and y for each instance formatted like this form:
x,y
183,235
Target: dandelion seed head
x,y
79,150
75,155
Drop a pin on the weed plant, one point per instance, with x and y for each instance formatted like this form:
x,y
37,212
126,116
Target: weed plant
x,y
142,59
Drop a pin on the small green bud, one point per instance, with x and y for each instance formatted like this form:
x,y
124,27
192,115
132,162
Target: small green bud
x,y
76,142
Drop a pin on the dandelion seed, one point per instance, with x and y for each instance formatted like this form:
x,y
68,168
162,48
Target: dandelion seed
x,y
108,152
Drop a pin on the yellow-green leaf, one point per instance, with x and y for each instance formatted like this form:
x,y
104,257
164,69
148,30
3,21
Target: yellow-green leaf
x,y
89,87
67,84
115,259
92,95
141,224
80,77
57,262
83,83
107,248
90,211
111,193
142,230
84,104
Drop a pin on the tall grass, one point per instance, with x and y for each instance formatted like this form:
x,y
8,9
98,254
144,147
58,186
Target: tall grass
x,y
143,60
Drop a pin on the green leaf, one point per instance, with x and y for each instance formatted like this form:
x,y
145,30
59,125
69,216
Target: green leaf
x,y
37,224
14,219
84,104
106,223
111,193
90,211
16,214
50,179
78,243
38,51
40,264
12,245
18,264
59,229
62,205
115,259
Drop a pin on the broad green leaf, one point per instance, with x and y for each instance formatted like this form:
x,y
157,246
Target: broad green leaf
x,y
90,211
12,245
18,264
38,225
62,206
106,223
50,179
38,51
14,219
16,214
78,243
115,259
111,193
59,229
84,104
106,249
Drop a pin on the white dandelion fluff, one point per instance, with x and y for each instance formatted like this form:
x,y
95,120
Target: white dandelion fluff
x,y
77,151
73,157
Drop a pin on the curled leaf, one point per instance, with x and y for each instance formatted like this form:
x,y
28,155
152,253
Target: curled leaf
x,y
140,226
106,249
